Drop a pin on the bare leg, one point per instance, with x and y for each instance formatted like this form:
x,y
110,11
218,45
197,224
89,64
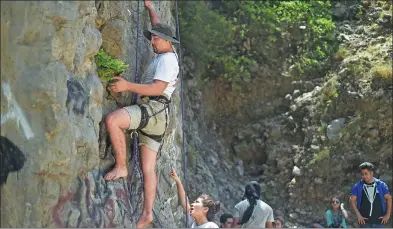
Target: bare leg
x,y
116,122
148,158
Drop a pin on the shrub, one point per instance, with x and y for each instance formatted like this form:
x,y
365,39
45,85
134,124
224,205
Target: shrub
x,y
108,67
383,71
228,38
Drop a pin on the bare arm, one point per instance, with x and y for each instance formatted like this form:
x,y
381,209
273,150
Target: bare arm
x,y
269,224
388,199
345,213
156,88
352,201
180,191
270,219
361,219
153,14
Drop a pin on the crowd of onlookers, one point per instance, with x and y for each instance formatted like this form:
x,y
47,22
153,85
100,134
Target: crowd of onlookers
x,y
370,200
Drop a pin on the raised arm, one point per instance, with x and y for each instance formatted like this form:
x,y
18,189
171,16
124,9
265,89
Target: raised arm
x,y
153,14
345,213
180,191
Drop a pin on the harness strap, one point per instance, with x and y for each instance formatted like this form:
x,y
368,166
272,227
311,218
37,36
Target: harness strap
x,y
145,121
144,117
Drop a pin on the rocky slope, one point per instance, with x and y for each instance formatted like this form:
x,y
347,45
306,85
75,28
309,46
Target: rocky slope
x,y
54,146
301,139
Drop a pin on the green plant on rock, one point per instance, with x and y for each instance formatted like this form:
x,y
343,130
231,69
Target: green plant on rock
x,y
329,91
229,38
383,71
108,67
341,54
322,129
319,157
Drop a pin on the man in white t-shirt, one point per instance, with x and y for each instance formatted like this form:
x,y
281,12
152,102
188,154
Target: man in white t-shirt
x,y
252,212
150,116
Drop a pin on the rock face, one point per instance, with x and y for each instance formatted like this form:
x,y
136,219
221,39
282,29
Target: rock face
x,y
301,145
53,139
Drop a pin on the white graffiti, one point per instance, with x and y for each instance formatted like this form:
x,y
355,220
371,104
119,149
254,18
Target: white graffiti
x,y
15,112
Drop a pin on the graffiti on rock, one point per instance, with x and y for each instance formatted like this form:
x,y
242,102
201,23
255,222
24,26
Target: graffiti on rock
x,y
77,99
15,112
12,159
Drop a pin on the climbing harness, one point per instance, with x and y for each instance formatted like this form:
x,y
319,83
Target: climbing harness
x,y
182,110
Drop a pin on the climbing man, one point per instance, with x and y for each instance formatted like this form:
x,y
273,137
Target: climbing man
x,y
370,199
150,115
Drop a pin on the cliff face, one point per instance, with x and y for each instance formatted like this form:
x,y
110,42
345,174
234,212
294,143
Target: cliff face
x,y
301,139
54,146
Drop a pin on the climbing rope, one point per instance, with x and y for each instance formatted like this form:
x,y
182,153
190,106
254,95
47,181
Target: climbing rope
x,y
182,110
135,163
134,135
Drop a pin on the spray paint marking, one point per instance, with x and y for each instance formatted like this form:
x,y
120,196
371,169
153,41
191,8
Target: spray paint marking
x,y
15,113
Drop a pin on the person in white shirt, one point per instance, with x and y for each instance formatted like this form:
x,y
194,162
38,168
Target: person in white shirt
x,y
150,116
201,212
252,212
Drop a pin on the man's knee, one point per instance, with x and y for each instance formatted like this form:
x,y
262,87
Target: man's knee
x,y
117,119
110,120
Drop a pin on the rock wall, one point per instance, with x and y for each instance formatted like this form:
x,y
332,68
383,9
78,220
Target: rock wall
x,y
53,139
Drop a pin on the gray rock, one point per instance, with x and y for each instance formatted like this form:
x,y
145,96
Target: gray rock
x,y
382,21
296,171
333,129
240,167
293,215
50,57
387,178
344,37
293,107
315,148
318,180
339,11
381,39
296,93
112,39
387,16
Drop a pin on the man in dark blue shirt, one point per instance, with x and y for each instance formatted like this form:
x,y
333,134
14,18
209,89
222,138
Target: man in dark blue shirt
x,y
370,199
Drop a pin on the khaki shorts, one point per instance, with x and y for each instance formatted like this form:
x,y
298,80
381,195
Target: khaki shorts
x,y
155,126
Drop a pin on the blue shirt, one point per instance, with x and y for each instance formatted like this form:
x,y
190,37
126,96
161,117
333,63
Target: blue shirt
x,y
382,189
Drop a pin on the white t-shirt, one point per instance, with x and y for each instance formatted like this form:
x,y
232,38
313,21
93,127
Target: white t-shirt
x,y
262,213
164,67
192,223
